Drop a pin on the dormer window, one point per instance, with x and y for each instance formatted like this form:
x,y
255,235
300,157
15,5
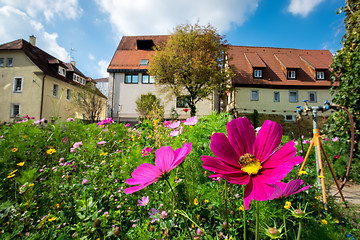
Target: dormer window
x,y
258,73
62,71
144,62
291,74
320,75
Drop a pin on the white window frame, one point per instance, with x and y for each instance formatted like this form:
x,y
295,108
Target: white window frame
x,y
9,62
278,94
291,74
315,96
132,79
62,71
297,96
2,62
289,118
258,73
68,94
12,108
254,97
320,75
55,90
15,89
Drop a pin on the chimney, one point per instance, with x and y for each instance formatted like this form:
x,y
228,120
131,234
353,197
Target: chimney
x,y
33,40
73,63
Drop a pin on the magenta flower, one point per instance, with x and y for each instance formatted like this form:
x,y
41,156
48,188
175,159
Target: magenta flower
x,y
174,125
287,189
84,181
336,157
101,142
146,151
306,142
191,121
335,139
144,201
166,159
70,120
246,159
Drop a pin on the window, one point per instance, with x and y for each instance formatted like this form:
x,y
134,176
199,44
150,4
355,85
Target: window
x,y
131,78
1,62
312,97
144,62
258,73
291,74
293,96
62,71
15,110
289,118
17,85
147,79
182,102
276,96
254,95
68,94
9,62
55,91
320,75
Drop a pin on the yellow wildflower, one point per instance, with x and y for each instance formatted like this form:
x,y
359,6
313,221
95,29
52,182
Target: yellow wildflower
x,y
100,139
31,184
196,202
336,221
206,201
323,222
51,151
320,176
317,197
14,149
197,217
241,208
21,164
287,205
52,219
10,176
302,172
111,165
25,136
193,225
13,172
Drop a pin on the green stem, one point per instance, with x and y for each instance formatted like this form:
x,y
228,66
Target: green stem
x,y
173,193
186,185
244,216
226,208
285,226
299,231
257,221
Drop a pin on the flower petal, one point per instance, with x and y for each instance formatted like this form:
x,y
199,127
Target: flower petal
x,y
180,154
267,140
136,188
217,165
241,135
284,154
164,157
221,148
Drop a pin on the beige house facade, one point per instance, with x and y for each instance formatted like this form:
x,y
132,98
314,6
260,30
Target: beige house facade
x,y
38,85
128,80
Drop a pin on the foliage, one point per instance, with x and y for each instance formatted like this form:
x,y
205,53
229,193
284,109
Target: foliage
x,y
192,63
346,73
67,180
148,105
92,102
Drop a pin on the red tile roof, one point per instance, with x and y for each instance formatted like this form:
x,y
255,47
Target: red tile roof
x,y
277,60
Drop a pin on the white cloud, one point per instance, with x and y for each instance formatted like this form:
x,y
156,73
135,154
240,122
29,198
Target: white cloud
x,y
141,17
91,57
16,24
303,7
102,66
48,8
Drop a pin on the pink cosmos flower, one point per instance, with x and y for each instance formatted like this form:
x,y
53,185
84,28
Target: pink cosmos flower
x,y
174,125
144,201
335,139
101,142
191,121
287,189
336,157
246,159
70,120
84,181
146,151
166,159
154,215
306,142
175,132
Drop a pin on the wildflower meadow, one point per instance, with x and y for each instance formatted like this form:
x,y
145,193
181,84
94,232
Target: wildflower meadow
x,y
210,177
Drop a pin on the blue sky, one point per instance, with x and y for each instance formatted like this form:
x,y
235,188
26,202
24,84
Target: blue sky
x,y
89,31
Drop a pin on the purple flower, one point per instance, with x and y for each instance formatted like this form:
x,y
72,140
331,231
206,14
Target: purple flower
x,y
174,125
154,215
287,189
191,121
101,142
306,142
166,159
176,132
105,121
335,139
144,201
70,120
163,214
84,181
146,151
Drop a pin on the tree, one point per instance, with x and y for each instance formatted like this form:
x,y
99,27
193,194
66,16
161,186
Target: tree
x,y
192,63
91,101
346,73
148,105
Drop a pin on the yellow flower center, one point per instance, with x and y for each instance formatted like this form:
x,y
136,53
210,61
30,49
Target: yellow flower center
x,y
249,164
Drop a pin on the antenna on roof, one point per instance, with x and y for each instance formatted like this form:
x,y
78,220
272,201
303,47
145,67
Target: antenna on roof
x,y
71,57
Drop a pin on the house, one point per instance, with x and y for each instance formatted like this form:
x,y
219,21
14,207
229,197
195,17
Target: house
x,y
34,83
128,80
103,85
277,80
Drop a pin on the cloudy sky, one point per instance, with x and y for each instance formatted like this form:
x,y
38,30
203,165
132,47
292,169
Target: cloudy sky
x,y
89,31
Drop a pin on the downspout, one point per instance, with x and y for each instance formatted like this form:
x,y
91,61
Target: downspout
x,y
42,96
112,97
